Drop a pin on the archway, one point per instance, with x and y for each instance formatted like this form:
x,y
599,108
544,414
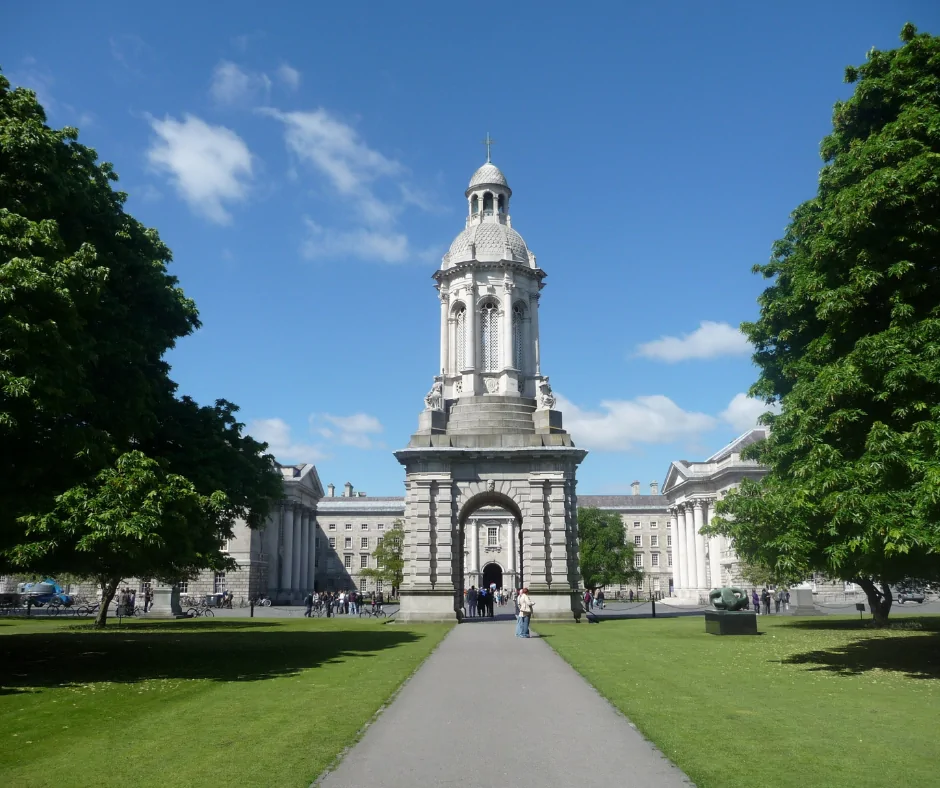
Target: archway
x,y
492,575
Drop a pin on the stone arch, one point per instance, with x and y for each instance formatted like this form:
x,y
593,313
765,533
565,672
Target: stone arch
x,y
486,497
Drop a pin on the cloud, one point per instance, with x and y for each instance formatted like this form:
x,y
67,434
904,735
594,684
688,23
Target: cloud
x,y
361,243
709,340
356,430
289,75
233,86
34,77
621,424
208,165
277,434
743,411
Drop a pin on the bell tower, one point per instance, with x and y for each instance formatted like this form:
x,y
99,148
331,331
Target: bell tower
x,y
490,435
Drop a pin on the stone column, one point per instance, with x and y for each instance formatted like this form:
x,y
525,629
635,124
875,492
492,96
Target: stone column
x,y
534,306
445,337
506,349
511,538
443,524
298,548
679,541
474,536
311,553
421,513
166,602
692,581
674,549
271,541
700,565
304,548
287,547
470,352
714,547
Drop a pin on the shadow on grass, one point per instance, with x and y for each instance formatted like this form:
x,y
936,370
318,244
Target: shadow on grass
x,y
211,650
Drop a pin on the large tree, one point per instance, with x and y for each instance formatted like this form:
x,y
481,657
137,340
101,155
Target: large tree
x,y
606,556
389,557
848,344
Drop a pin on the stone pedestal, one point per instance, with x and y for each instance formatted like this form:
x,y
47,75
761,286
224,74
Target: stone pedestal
x,y
166,603
725,622
547,421
432,422
801,602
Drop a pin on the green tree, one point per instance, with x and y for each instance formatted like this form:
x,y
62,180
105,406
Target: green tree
x,y
606,556
134,519
389,557
848,343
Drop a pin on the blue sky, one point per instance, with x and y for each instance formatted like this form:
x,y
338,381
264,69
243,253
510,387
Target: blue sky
x,y
306,163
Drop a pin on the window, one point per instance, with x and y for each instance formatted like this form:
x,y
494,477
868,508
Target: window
x,y
378,585
487,204
380,526
184,586
363,562
460,338
654,559
489,336
348,526
332,526
378,541
144,586
219,584
492,536
636,523
365,526
517,349
348,543
474,205
668,559
638,561
364,542
347,561
653,524
638,540
668,540
333,542
654,540
316,543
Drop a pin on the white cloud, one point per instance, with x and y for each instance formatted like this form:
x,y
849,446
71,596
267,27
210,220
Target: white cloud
x,y
621,424
289,75
277,434
233,86
709,340
208,165
356,430
743,411
387,246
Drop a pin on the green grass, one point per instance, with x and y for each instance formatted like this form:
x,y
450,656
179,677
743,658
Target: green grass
x,y
223,702
810,702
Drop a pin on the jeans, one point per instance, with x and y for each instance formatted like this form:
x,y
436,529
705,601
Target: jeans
x,y
522,626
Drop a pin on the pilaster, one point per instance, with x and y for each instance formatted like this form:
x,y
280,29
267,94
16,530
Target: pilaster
x,y
700,563
287,546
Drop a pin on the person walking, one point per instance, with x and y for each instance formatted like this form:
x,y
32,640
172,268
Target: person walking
x,y
308,605
786,599
328,604
588,600
755,601
631,594
525,614
490,601
765,600
600,598
472,602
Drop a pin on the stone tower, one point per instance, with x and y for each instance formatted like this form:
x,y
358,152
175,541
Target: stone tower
x,y
490,435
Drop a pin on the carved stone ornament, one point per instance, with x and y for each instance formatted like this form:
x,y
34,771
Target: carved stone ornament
x,y
491,485
434,400
491,385
546,400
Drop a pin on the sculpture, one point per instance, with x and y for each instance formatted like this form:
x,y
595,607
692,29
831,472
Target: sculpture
x,y
729,598
434,400
546,400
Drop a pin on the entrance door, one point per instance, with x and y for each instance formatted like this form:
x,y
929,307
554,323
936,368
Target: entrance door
x,y
493,573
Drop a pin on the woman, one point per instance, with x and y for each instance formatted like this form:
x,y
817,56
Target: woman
x,y
525,613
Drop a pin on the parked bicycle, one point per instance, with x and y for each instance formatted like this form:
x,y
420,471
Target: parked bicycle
x,y
372,612
197,612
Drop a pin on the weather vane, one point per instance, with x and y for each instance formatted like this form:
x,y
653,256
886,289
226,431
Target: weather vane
x,y
488,142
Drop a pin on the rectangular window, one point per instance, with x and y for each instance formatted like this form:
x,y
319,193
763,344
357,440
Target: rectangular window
x,y
348,526
332,526
144,586
219,583
184,586
492,536
653,524
654,540
378,585
364,542
378,541
347,561
363,562
348,543
638,561
381,527
333,542
636,523
365,526
669,559
638,540
654,559
668,540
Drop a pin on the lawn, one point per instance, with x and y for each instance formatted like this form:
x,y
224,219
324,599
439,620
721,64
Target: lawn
x,y
221,702
810,702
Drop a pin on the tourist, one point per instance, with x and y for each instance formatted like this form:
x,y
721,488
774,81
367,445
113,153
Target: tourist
x,y
786,600
308,605
353,601
755,601
328,604
490,599
588,600
631,594
525,613
765,598
148,599
481,602
380,600
600,598
472,602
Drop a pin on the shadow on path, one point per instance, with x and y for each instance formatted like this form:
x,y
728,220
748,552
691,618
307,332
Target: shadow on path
x,y
212,650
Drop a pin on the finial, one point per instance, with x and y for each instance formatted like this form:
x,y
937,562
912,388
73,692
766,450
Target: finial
x,y
488,142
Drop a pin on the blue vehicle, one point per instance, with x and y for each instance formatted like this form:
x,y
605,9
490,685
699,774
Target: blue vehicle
x,y
45,592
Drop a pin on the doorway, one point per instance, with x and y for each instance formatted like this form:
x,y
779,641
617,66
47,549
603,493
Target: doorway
x,y
492,573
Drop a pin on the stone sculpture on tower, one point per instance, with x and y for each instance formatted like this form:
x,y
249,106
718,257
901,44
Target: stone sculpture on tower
x,y
490,435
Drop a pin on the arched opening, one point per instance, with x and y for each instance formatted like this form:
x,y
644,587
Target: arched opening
x,y
460,337
489,336
518,346
487,204
492,576
474,205
501,203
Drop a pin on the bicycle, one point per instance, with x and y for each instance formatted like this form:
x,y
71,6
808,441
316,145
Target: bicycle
x,y
196,612
370,612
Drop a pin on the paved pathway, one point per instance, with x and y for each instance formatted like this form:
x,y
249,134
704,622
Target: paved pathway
x,y
491,710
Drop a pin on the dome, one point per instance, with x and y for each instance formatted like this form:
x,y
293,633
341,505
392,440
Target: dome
x,y
487,242
490,175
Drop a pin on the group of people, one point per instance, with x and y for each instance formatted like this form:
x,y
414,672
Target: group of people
x,y
597,598
335,603
127,600
761,602
480,602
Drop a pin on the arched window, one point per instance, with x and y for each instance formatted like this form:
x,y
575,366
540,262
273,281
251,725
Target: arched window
x,y
489,336
501,204
487,204
518,314
474,205
460,338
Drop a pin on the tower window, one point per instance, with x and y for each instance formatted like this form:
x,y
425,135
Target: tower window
x,y
489,336
501,203
487,204
461,338
474,205
517,349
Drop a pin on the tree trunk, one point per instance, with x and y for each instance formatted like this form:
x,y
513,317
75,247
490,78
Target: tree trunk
x,y
878,601
108,589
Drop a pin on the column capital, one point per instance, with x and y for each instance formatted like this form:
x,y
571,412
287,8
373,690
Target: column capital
x,y
700,503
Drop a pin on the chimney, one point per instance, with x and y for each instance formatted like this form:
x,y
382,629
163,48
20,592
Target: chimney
x,y
636,488
654,488
331,490
348,490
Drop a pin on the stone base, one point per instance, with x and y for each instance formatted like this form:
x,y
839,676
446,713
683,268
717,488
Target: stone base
x,y
427,606
801,602
547,421
554,606
725,622
166,603
432,422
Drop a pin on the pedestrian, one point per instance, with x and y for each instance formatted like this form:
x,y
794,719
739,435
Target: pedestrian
x,y
755,601
525,614
472,602
481,602
631,594
490,600
600,598
765,598
308,605
353,602
328,603
588,600
786,600
148,599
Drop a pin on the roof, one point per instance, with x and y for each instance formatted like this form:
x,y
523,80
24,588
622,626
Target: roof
x,y
488,174
738,444
657,502
361,505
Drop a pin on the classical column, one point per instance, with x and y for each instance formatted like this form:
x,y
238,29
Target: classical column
x,y
506,354
700,565
304,547
474,549
298,547
511,538
679,541
287,546
445,338
470,352
311,554
689,545
271,541
714,546
534,306
674,548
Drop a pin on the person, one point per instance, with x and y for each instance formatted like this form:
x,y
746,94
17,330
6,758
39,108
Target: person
x,y
328,603
765,598
353,602
588,600
786,599
481,602
755,601
148,599
472,602
490,599
308,605
380,600
525,614
600,599
631,594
